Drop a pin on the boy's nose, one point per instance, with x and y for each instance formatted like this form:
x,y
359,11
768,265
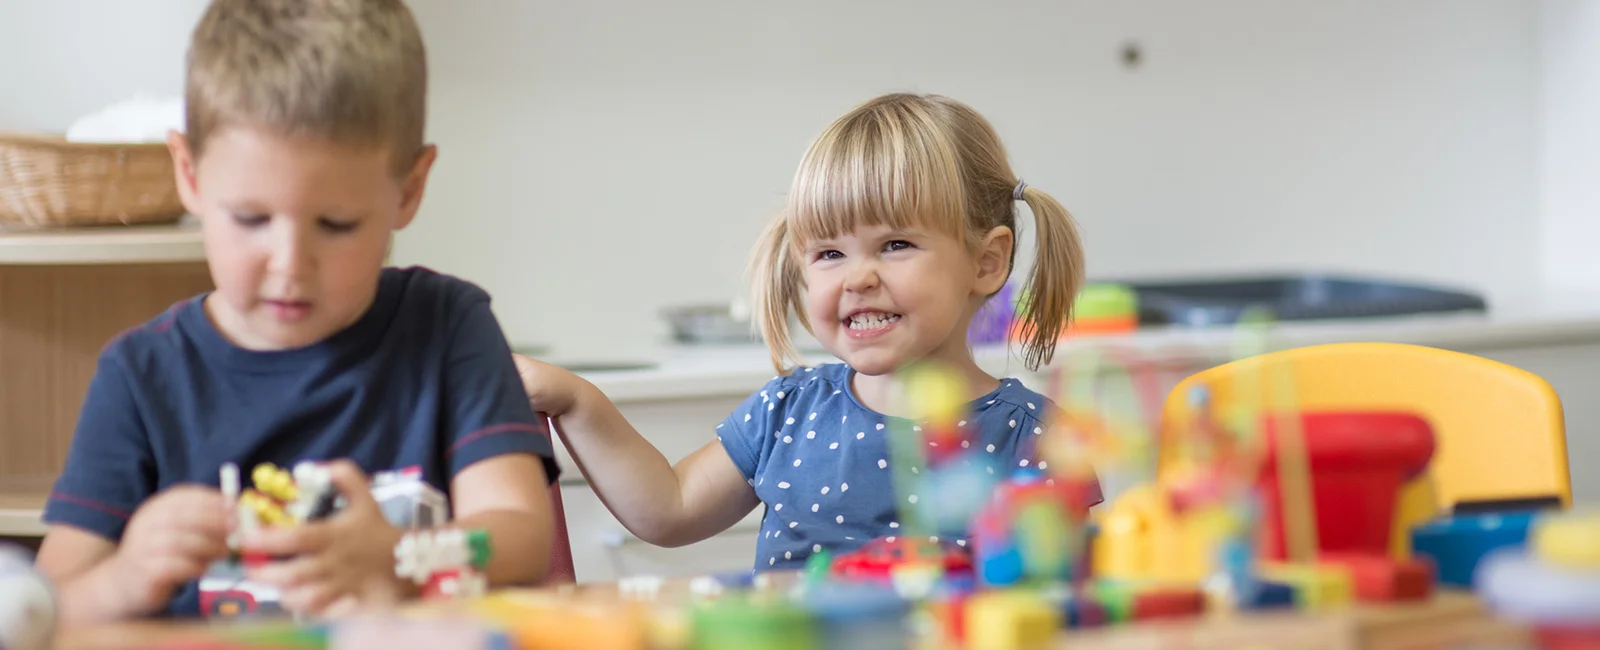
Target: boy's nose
x,y
291,251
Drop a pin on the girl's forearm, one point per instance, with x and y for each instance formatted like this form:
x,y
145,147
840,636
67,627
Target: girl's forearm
x,y
632,478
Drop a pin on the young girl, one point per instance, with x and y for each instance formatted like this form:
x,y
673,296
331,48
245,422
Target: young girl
x,y
901,222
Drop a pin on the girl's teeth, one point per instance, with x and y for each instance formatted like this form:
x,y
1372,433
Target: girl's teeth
x,y
871,321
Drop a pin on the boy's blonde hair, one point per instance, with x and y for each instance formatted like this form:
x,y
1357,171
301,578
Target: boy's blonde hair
x,y
901,160
347,71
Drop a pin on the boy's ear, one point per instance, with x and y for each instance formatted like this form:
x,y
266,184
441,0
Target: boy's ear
x,y
183,165
994,260
415,182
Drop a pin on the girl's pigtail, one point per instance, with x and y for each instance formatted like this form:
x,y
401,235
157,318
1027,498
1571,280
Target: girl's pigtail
x,y
1058,274
775,293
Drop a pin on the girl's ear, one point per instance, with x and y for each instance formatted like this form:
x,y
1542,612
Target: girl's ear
x,y
994,260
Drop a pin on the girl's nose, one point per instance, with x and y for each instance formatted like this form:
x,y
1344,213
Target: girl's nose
x,y
862,276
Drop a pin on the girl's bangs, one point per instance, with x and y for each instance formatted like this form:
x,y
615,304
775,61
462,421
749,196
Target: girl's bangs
x,y
876,172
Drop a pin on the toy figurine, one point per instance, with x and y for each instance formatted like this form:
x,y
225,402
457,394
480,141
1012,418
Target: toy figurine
x,y
288,498
447,563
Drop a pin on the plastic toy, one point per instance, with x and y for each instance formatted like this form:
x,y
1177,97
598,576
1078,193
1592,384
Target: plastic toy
x,y
856,615
1316,587
877,559
27,603
1010,620
1456,545
284,498
1359,461
737,623
1033,530
447,563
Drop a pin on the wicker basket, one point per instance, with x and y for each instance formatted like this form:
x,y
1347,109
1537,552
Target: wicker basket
x,y
48,182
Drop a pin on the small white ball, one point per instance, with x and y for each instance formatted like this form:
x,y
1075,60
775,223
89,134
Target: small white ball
x,y
27,603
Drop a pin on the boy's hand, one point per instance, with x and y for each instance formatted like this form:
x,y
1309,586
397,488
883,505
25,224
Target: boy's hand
x,y
171,540
551,390
332,564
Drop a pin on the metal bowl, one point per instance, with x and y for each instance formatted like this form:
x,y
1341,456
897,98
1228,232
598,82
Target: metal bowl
x,y
710,323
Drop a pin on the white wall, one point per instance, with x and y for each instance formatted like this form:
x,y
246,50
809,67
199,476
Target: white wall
x,y
601,159
1570,142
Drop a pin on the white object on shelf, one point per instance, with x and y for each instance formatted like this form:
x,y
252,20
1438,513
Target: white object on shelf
x,y
137,120
111,245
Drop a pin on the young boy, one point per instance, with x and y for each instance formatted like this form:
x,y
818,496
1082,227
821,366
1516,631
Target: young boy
x,y
303,154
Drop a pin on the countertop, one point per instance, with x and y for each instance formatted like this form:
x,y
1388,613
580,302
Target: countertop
x,y
692,371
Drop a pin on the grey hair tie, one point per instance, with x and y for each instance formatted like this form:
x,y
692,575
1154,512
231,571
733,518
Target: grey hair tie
x,y
1016,194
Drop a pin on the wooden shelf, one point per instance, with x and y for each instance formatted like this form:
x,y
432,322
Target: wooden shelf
x,y
179,242
20,513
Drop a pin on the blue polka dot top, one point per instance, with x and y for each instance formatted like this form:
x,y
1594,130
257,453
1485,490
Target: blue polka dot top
x,y
819,460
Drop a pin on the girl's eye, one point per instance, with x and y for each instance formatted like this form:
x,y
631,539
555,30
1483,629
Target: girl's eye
x,y
897,245
337,227
829,255
250,220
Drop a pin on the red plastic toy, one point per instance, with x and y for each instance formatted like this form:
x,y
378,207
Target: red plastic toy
x,y
877,559
1359,462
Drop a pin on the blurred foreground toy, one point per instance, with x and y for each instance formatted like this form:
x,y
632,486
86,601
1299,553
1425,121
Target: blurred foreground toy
x,y
1458,543
446,563
27,603
1553,584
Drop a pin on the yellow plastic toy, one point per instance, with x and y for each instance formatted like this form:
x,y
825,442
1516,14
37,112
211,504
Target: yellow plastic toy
x,y
1571,540
1142,539
1500,430
1010,620
1316,587
267,511
274,482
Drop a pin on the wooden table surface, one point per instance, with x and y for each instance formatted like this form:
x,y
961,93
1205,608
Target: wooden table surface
x,y
1449,621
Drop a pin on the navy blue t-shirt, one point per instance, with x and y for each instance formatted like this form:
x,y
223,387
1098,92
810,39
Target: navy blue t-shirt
x,y
424,379
819,460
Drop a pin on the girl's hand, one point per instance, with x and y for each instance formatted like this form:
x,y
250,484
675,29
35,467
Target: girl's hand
x,y
551,390
171,540
338,563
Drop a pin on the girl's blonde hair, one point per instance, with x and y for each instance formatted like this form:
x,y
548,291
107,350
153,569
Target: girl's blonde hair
x,y
901,160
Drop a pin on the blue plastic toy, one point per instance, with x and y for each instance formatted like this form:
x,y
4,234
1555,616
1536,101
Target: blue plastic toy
x,y
1456,544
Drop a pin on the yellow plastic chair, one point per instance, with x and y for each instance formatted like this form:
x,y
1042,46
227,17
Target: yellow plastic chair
x,y
1499,432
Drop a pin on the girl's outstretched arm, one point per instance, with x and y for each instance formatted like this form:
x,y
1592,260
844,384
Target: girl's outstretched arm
x,y
661,503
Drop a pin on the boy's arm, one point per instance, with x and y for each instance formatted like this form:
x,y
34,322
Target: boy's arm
x,y
109,473
662,504
506,496
77,562
500,459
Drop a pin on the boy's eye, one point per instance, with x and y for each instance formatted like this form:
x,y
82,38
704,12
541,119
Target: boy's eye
x,y
897,245
336,226
250,220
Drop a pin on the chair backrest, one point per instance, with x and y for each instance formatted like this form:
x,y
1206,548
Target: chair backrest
x,y
1499,430
561,570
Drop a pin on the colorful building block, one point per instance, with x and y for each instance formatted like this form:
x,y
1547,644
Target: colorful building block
x,y
1380,578
1268,595
1082,610
1116,597
738,622
1455,545
1316,587
1167,602
1010,620
858,615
